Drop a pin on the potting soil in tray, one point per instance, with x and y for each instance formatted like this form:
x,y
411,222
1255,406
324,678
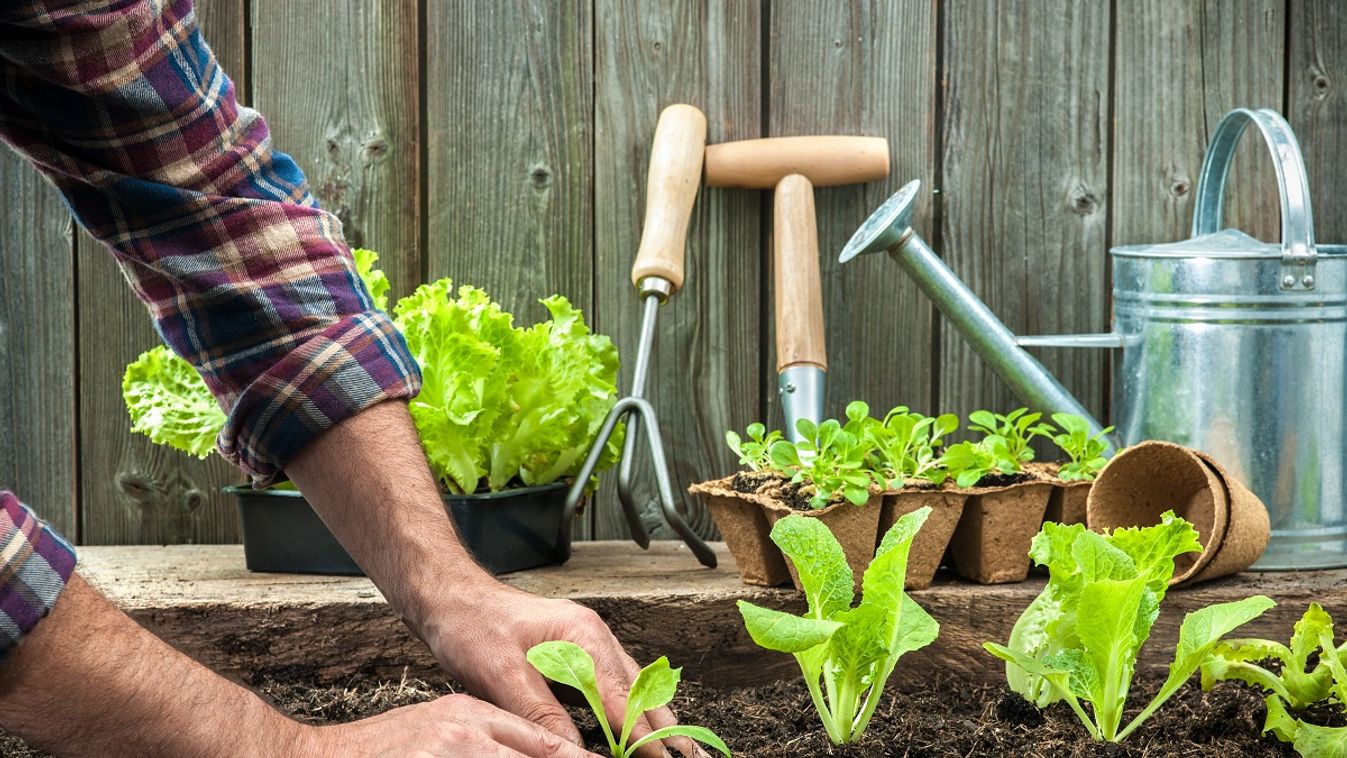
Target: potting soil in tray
x,y
949,719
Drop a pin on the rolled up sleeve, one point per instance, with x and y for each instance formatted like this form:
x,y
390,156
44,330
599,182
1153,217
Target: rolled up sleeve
x,y
127,112
34,567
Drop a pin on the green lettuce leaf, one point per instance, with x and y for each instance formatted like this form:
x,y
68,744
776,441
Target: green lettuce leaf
x,y
375,280
169,403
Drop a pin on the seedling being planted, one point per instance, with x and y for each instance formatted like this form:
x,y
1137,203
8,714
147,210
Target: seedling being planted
x,y
1078,640
845,653
567,663
1294,683
1086,452
755,453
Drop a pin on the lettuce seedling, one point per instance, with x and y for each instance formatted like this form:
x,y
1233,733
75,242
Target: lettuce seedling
x,y
1018,428
831,459
968,462
1295,684
846,654
906,444
1086,452
1078,640
755,452
567,663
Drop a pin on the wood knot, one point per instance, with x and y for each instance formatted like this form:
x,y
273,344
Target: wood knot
x,y
657,46
541,176
333,146
193,499
1179,186
1322,84
136,486
1082,200
375,149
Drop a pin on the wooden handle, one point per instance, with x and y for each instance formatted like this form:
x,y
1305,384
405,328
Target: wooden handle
x,y
826,161
795,270
670,189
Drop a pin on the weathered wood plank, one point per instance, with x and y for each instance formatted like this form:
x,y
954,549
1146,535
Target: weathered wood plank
x,y
862,68
37,345
659,602
1317,108
337,84
1025,185
704,376
131,491
1180,67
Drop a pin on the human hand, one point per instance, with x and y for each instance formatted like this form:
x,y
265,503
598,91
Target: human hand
x,y
453,726
484,633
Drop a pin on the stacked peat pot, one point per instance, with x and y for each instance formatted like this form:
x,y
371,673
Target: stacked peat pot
x,y
860,476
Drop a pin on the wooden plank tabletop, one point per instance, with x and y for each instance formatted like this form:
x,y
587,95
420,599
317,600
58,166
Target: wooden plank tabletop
x,y
658,602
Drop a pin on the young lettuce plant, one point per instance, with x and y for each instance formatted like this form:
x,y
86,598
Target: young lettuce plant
x,y
567,663
1295,684
968,462
1086,452
1018,428
755,453
845,653
906,445
831,459
1078,640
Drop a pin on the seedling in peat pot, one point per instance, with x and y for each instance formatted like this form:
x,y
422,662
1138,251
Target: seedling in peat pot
x,y
968,462
1018,428
755,453
1086,452
567,663
906,443
1078,640
831,459
846,654
1294,684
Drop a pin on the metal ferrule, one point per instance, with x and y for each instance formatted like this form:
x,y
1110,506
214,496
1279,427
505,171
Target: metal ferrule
x,y
801,390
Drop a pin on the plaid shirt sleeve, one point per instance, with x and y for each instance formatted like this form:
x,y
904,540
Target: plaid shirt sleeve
x,y
124,108
34,567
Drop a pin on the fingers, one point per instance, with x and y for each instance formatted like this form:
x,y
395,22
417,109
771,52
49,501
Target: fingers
x,y
532,700
493,731
530,739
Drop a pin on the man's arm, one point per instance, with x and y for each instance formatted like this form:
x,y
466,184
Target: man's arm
x,y
89,681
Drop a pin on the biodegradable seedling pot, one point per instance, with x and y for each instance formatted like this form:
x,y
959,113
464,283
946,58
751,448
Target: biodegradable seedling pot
x,y
1067,504
991,543
1145,480
505,531
1247,530
747,532
854,526
928,547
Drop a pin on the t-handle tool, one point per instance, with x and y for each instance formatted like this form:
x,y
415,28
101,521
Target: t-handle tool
x,y
671,187
794,166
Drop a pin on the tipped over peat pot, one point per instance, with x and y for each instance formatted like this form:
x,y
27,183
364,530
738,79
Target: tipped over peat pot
x,y
505,531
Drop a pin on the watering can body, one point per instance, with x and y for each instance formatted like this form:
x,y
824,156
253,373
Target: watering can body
x,y
1222,343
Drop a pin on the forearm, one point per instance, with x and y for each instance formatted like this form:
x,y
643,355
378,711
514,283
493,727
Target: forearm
x,y
90,681
367,478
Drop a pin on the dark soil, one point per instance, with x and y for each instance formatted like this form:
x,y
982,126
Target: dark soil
x,y
950,719
758,482
1004,480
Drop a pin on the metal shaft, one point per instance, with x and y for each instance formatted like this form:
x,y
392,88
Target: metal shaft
x,y
633,422
985,333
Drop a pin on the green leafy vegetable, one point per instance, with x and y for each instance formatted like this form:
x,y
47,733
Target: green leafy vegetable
x,y
169,403
1078,641
845,653
567,663
501,403
831,459
1018,428
375,280
968,462
1086,452
756,451
906,445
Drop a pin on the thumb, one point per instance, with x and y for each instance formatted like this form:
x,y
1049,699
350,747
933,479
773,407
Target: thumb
x,y
531,699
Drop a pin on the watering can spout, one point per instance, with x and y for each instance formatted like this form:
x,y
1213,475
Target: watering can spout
x,y
889,229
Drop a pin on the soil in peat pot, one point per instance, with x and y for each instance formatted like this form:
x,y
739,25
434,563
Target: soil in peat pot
x,y
946,721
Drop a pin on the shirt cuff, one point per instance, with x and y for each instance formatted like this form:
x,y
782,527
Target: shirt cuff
x,y
358,362
34,567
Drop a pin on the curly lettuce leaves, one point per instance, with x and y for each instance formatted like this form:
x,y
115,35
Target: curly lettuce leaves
x,y
502,404
375,281
169,403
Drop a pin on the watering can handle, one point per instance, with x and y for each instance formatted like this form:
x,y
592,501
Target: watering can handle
x,y
1298,254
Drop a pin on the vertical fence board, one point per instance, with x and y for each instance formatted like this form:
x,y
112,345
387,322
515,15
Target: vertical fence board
x,y
37,345
132,491
868,69
509,101
1025,183
1180,67
1317,107
703,378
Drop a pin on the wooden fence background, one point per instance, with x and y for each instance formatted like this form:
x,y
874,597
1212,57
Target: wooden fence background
x,y
504,143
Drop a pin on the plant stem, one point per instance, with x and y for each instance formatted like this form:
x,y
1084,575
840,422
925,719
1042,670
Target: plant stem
x,y
872,699
825,715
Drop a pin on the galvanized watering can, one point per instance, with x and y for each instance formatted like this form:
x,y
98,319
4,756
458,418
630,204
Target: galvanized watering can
x,y
1222,343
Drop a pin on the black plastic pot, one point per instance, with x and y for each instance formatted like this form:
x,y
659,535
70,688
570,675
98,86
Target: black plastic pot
x,y
506,531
